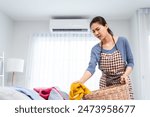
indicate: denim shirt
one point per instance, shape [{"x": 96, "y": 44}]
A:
[{"x": 122, "y": 45}]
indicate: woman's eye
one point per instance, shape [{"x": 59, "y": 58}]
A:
[{"x": 98, "y": 29}]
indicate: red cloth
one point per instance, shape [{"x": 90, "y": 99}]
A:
[{"x": 43, "y": 92}]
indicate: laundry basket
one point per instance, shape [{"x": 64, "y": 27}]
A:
[{"x": 115, "y": 92}]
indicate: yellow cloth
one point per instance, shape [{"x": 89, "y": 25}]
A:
[{"x": 77, "y": 91}]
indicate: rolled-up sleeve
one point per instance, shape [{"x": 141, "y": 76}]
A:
[
  {"x": 129, "y": 55},
  {"x": 92, "y": 62}
]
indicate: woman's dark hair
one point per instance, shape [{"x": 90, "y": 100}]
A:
[{"x": 102, "y": 21}]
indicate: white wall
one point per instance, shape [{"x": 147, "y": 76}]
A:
[
  {"x": 22, "y": 32},
  {"x": 120, "y": 27},
  {"x": 6, "y": 36},
  {"x": 6, "y": 33},
  {"x": 24, "y": 29}
]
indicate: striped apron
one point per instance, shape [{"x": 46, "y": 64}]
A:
[{"x": 112, "y": 67}]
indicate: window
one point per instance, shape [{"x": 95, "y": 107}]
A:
[{"x": 58, "y": 59}]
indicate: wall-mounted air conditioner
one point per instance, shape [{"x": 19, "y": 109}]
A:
[{"x": 63, "y": 25}]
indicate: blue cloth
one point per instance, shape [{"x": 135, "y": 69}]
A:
[
  {"x": 30, "y": 93},
  {"x": 56, "y": 94},
  {"x": 122, "y": 45}
]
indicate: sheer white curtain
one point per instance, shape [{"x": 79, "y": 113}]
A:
[
  {"x": 144, "y": 47},
  {"x": 58, "y": 59}
]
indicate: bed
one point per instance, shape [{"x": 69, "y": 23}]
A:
[{"x": 21, "y": 93}]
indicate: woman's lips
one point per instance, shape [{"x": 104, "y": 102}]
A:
[{"x": 99, "y": 37}]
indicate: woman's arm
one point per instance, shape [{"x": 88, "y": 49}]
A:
[
  {"x": 124, "y": 77},
  {"x": 130, "y": 62},
  {"x": 128, "y": 71},
  {"x": 85, "y": 77},
  {"x": 91, "y": 67}
]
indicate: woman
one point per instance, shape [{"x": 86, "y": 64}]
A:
[{"x": 112, "y": 54}]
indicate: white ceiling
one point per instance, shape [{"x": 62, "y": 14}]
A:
[{"x": 44, "y": 9}]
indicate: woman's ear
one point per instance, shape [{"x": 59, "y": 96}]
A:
[{"x": 106, "y": 26}]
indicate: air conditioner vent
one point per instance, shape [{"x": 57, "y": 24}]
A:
[{"x": 69, "y": 30}]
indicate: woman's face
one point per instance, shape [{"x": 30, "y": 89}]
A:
[{"x": 99, "y": 30}]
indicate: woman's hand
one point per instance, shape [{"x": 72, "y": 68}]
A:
[{"x": 124, "y": 79}]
